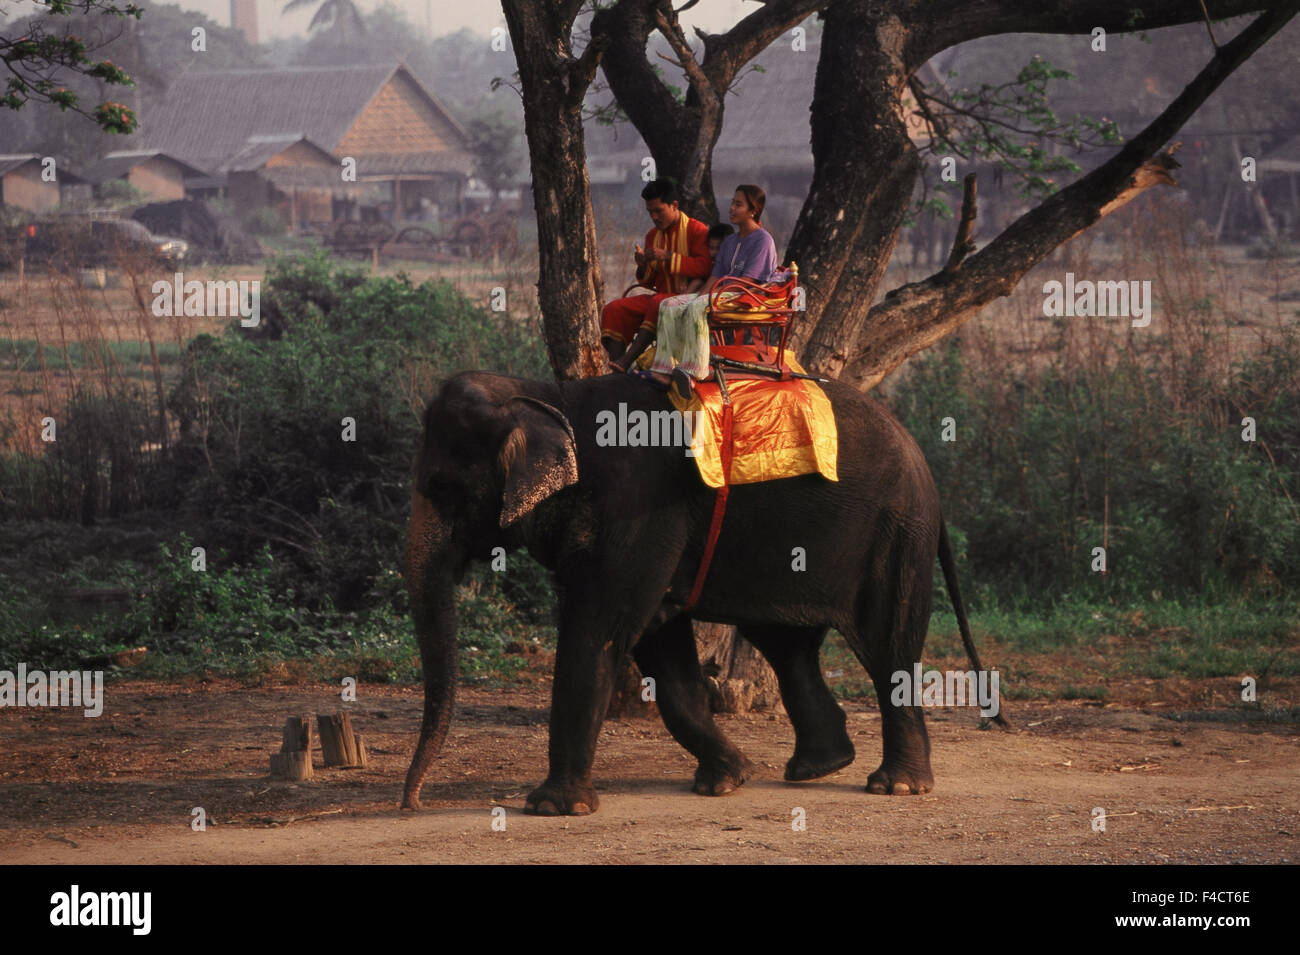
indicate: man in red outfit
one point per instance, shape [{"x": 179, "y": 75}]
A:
[{"x": 676, "y": 251}]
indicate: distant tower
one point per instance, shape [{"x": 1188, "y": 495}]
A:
[{"x": 243, "y": 17}]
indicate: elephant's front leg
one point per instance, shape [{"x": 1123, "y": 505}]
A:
[
  {"x": 585, "y": 666},
  {"x": 669, "y": 656}
]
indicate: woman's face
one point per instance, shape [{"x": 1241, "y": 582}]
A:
[{"x": 740, "y": 210}]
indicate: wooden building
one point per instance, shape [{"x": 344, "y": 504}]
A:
[
  {"x": 159, "y": 177},
  {"x": 23, "y": 187},
  {"x": 289, "y": 173},
  {"x": 410, "y": 155}
]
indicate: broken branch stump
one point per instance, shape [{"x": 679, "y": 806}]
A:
[
  {"x": 294, "y": 759},
  {"x": 340, "y": 746}
]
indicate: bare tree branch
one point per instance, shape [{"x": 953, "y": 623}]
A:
[
  {"x": 915, "y": 316},
  {"x": 963, "y": 245},
  {"x": 678, "y": 134},
  {"x": 726, "y": 53},
  {"x": 940, "y": 24},
  {"x": 1209, "y": 28},
  {"x": 710, "y": 111}
]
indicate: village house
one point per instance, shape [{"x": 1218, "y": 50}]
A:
[
  {"x": 22, "y": 185},
  {"x": 281, "y": 137},
  {"x": 158, "y": 176}
]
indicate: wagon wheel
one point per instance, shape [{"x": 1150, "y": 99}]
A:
[
  {"x": 349, "y": 239},
  {"x": 471, "y": 235},
  {"x": 377, "y": 233},
  {"x": 417, "y": 235},
  {"x": 348, "y": 235}
]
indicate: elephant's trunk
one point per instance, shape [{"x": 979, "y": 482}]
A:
[{"x": 430, "y": 580}]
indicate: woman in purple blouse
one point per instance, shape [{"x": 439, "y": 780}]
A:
[
  {"x": 683, "y": 334},
  {"x": 749, "y": 252}
]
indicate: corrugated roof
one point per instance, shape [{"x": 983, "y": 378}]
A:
[
  {"x": 208, "y": 118},
  {"x": 765, "y": 124},
  {"x": 14, "y": 160},
  {"x": 383, "y": 164},
  {"x": 1282, "y": 159},
  {"x": 259, "y": 150},
  {"x": 120, "y": 163}
]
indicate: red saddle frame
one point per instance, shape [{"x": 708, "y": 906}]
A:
[{"x": 754, "y": 305}]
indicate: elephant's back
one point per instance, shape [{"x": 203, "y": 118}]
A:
[{"x": 874, "y": 447}]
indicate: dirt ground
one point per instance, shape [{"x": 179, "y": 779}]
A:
[{"x": 1203, "y": 787}]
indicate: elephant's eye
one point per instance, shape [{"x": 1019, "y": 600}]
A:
[{"x": 440, "y": 488}]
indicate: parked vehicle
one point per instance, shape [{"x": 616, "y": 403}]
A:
[{"x": 80, "y": 242}]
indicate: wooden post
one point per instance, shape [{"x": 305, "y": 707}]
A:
[
  {"x": 294, "y": 759},
  {"x": 339, "y": 745}
]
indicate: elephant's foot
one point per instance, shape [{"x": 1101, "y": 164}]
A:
[
  {"x": 813, "y": 763},
  {"x": 898, "y": 781},
  {"x": 562, "y": 799},
  {"x": 718, "y": 780}
]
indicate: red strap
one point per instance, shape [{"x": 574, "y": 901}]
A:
[{"x": 719, "y": 504}]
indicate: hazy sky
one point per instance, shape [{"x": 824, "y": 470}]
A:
[{"x": 443, "y": 16}]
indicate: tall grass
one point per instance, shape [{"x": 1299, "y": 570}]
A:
[
  {"x": 84, "y": 410},
  {"x": 1081, "y": 433}
]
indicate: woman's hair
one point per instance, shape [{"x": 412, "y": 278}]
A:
[{"x": 756, "y": 198}]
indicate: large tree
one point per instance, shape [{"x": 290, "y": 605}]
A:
[{"x": 866, "y": 166}]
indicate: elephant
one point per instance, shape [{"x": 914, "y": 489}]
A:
[{"x": 510, "y": 462}]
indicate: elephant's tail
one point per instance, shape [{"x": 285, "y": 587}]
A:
[{"x": 949, "y": 566}]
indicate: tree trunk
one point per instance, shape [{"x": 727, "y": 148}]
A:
[
  {"x": 553, "y": 84},
  {"x": 865, "y": 167},
  {"x": 738, "y": 678},
  {"x": 737, "y": 675},
  {"x": 681, "y": 136}
]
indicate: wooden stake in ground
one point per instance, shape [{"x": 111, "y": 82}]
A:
[
  {"x": 340, "y": 746},
  {"x": 294, "y": 759}
]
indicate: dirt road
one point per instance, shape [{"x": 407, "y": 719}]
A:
[{"x": 121, "y": 788}]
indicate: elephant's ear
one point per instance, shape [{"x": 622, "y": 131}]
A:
[{"x": 537, "y": 458}]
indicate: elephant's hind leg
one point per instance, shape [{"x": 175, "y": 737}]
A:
[
  {"x": 821, "y": 744},
  {"x": 892, "y": 629},
  {"x": 668, "y": 655}
]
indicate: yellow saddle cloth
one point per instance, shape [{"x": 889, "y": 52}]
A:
[{"x": 780, "y": 429}]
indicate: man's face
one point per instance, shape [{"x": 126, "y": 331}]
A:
[{"x": 662, "y": 214}]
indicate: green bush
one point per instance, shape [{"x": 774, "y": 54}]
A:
[
  {"x": 1046, "y": 468},
  {"x": 265, "y": 221},
  {"x": 263, "y": 420}
]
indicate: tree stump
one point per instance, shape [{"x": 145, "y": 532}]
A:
[
  {"x": 738, "y": 677},
  {"x": 294, "y": 759},
  {"x": 626, "y": 701},
  {"x": 339, "y": 745}
]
